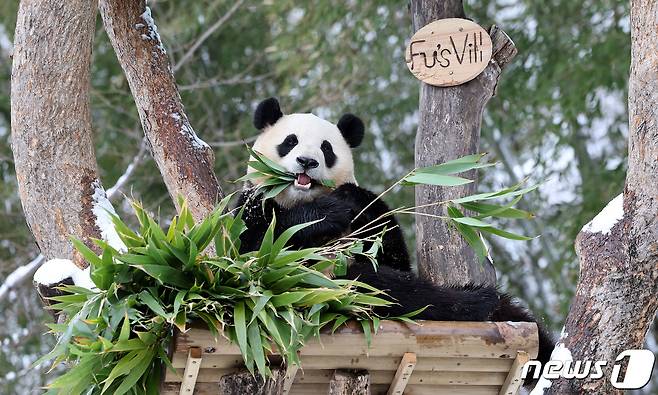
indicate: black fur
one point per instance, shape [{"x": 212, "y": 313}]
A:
[
  {"x": 339, "y": 209},
  {"x": 267, "y": 113},
  {"x": 328, "y": 152},
  {"x": 352, "y": 129},
  {"x": 287, "y": 145}
]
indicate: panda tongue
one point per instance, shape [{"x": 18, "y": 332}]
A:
[{"x": 303, "y": 179}]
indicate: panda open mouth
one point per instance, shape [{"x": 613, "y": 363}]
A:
[{"x": 303, "y": 181}]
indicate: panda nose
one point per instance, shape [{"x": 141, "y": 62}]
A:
[{"x": 307, "y": 163}]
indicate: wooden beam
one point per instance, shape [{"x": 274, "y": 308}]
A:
[
  {"x": 191, "y": 371},
  {"x": 403, "y": 374},
  {"x": 345, "y": 382},
  {"x": 513, "y": 381},
  {"x": 430, "y": 339},
  {"x": 333, "y": 362}
]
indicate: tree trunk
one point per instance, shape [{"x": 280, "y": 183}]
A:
[
  {"x": 185, "y": 161},
  {"x": 51, "y": 124},
  {"x": 449, "y": 127},
  {"x": 617, "y": 294}
]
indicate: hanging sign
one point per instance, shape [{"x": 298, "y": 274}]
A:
[{"x": 449, "y": 52}]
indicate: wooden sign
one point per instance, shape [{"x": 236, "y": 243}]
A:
[{"x": 449, "y": 52}]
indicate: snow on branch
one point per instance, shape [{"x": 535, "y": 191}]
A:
[
  {"x": 560, "y": 353},
  {"x": 19, "y": 275},
  {"x": 103, "y": 210},
  {"x": 57, "y": 270},
  {"x": 608, "y": 217}
]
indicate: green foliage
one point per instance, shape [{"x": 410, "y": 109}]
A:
[
  {"x": 273, "y": 178},
  {"x": 118, "y": 335},
  {"x": 471, "y": 227}
]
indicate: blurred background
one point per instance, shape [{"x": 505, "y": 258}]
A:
[{"x": 560, "y": 116}]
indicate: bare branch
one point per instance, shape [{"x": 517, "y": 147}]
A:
[
  {"x": 214, "y": 82},
  {"x": 235, "y": 143},
  {"x": 19, "y": 276},
  {"x": 212, "y": 29},
  {"x": 123, "y": 179}
]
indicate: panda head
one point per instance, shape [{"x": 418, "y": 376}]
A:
[{"x": 310, "y": 147}]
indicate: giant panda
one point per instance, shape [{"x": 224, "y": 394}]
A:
[{"x": 315, "y": 149}]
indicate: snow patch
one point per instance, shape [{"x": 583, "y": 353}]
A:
[
  {"x": 608, "y": 217},
  {"x": 56, "y": 270},
  {"x": 560, "y": 353},
  {"x": 187, "y": 131},
  {"x": 152, "y": 33},
  {"x": 196, "y": 141},
  {"x": 103, "y": 210}
]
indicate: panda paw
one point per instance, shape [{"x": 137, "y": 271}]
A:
[{"x": 335, "y": 211}]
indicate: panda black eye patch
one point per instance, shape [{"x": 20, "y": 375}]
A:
[
  {"x": 328, "y": 151},
  {"x": 287, "y": 145}
]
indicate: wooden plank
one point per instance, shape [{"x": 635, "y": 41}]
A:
[
  {"x": 322, "y": 376},
  {"x": 291, "y": 372},
  {"x": 402, "y": 374},
  {"x": 191, "y": 371},
  {"x": 418, "y": 378},
  {"x": 431, "y": 339},
  {"x": 380, "y": 389},
  {"x": 376, "y": 389},
  {"x": 345, "y": 382},
  {"x": 513, "y": 381},
  {"x": 314, "y": 362}
]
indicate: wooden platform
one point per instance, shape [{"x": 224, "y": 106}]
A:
[{"x": 453, "y": 358}]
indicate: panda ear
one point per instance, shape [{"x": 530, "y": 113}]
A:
[
  {"x": 267, "y": 113},
  {"x": 352, "y": 129}
]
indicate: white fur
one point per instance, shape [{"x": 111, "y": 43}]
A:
[{"x": 311, "y": 131}]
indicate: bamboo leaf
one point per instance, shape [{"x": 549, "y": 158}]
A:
[
  {"x": 256, "y": 347},
  {"x": 470, "y": 221},
  {"x": 435, "y": 179},
  {"x": 136, "y": 373},
  {"x": 505, "y": 234},
  {"x": 240, "y": 322}
]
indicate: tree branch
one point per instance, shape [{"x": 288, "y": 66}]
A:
[
  {"x": 19, "y": 276},
  {"x": 186, "y": 162},
  {"x": 212, "y": 29},
  {"x": 113, "y": 191}
]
